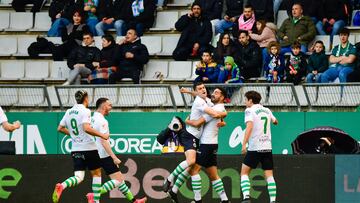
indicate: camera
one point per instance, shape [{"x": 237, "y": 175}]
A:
[{"x": 175, "y": 124}]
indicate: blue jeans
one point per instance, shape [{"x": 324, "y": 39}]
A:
[
  {"x": 223, "y": 25},
  {"x": 57, "y": 26},
  {"x": 265, "y": 53},
  {"x": 277, "y": 4},
  {"x": 333, "y": 72},
  {"x": 338, "y": 25},
  {"x": 288, "y": 49},
  {"x": 91, "y": 22},
  {"x": 101, "y": 27},
  {"x": 160, "y": 3},
  {"x": 312, "y": 78}
]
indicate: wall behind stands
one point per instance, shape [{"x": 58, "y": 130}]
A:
[
  {"x": 299, "y": 178},
  {"x": 134, "y": 133}
]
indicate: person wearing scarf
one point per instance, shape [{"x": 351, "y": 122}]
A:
[
  {"x": 342, "y": 60},
  {"x": 274, "y": 63},
  {"x": 247, "y": 20}
]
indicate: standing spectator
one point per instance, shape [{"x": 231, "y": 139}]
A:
[
  {"x": 296, "y": 28},
  {"x": 317, "y": 63},
  {"x": 130, "y": 58},
  {"x": 333, "y": 17},
  {"x": 264, "y": 9},
  {"x": 106, "y": 66},
  {"x": 342, "y": 60},
  {"x": 207, "y": 70},
  {"x": 105, "y": 16},
  {"x": 296, "y": 65},
  {"x": 19, "y": 5},
  {"x": 83, "y": 60},
  {"x": 234, "y": 10},
  {"x": 274, "y": 65},
  {"x": 90, "y": 7},
  {"x": 225, "y": 47},
  {"x": 230, "y": 73},
  {"x": 195, "y": 36},
  {"x": 248, "y": 56}
]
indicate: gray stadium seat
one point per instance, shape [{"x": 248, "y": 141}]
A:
[
  {"x": 8, "y": 96},
  {"x": 20, "y": 21},
  {"x": 54, "y": 40},
  {"x": 31, "y": 97},
  {"x": 23, "y": 43},
  {"x": 193, "y": 74},
  {"x": 130, "y": 97},
  {"x": 42, "y": 22},
  {"x": 59, "y": 70},
  {"x": 281, "y": 17},
  {"x": 153, "y": 44},
  {"x": 98, "y": 42},
  {"x": 179, "y": 70},
  {"x": 165, "y": 20},
  {"x": 181, "y": 13},
  {"x": 6, "y": 2},
  {"x": 154, "y": 68},
  {"x": 351, "y": 96},
  {"x": 8, "y": 45},
  {"x": 169, "y": 43},
  {"x": 12, "y": 69},
  {"x": 36, "y": 70},
  {"x": 183, "y": 2},
  {"x": 5, "y": 20},
  {"x": 281, "y": 96}
]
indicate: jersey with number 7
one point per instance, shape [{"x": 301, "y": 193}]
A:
[
  {"x": 262, "y": 117},
  {"x": 74, "y": 119}
]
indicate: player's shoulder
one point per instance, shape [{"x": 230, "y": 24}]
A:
[{"x": 219, "y": 107}]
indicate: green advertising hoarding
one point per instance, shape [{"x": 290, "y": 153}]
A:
[{"x": 135, "y": 133}]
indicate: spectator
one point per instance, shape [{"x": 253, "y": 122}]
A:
[
  {"x": 195, "y": 34},
  {"x": 355, "y": 75},
  {"x": 317, "y": 63},
  {"x": 263, "y": 36},
  {"x": 61, "y": 14},
  {"x": 296, "y": 65},
  {"x": 264, "y": 9},
  {"x": 297, "y": 28},
  {"x": 212, "y": 10},
  {"x": 311, "y": 7},
  {"x": 160, "y": 4},
  {"x": 225, "y": 47},
  {"x": 83, "y": 60},
  {"x": 106, "y": 17},
  {"x": 247, "y": 20},
  {"x": 207, "y": 70},
  {"x": 90, "y": 7},
  {"x": 333, "y": 17},
  {"x": 130, "y": 58},
  {"x": 277, "y": 4},
  {"x": 230, "y": 73},
  {"x": 274, "y": 65},
  {"x": 19, "y": 5},
  {"x": 106, "y": 66},
  {"x": 342, "y": 60},
  {"x": 234, "y": 10},
  {"x": 248, "y": 56}
]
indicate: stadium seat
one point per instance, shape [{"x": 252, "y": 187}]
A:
[
  {"x": 42, "y": 22},
  {"x": 130, "y": 97},
  {"x": 179, "y": 70},
  {"x": 6, "y": 2},
  {"x": 336, "y": 40},
  {"x": 165, "y": 21},
  {"x": 12, "y": 70},
  {"x": 23, "y": 43},
  {"x": 281, "y": 17},
  {"x": 281, "y": 96},
  {"x": 8, "y": 45},
  {"x": 153, "y": 44},
  {"x": 154, "y": 68},
  {"x": 20, "y": 21},
  {"x": 169, "y": 44},
  {"x": 8, "y": 96},
  {"x": 55, "y": 40},
  {"x": 193, "y": 74},
  {"x": 181, "y": 13},
  {"x": 5, "y": 20},
  {"x": 31, "y": 97},
  {"x": 182, "y": 2},
  {"x": 36, "y": 70},
  {"x": 58, "y": 71},
  {"x": 98, "y": 42},
  {"x": 351, "y": 96},
  {"x": 323, "y": 38}
]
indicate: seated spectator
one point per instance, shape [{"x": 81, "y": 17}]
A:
[
  {"x": 19, "y": 5},
  {"x": 333, "y": 17},
  {"x": 225, "y": 47},
  {"x": 248, "y": 56},
  {"x": 83, "y": 60},
  {"x": 106, "y": 66},
  {"x": 207, "y": 70},
  {"x": 355, "y": 75},
  {"x": 230, "y": 73},
  {"x": 263, "y": 36},
  {"x": 160, "y": 4},
  {"x": 317, "y": 63},
  {"x": 296, "y": 65},
  {"x": 195, "y": 36},
  {"x": 105, "y": 16},
  {"x": 274, "y": 65},
  {"x": 90, "y": 7},
  {"x": 130, "y": 58},
  {"x": 212, "y": 9},
  {"x": 311, "y": 7},
  {"x": 342, "y": 60},
  {"x": 72, "y": 36},
  {"x": 61, "y": 14},
  {"x": 264, "y": 9},
  {"x": 247, "y": 20},
  {"x": 296, "y": 28},
  {"x": 234, "y": 10}
]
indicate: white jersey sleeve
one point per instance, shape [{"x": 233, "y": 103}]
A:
[
  {"x": 249, "y": 115},
  {"x": 3, "y": 117},
  {"x": 86, "y": 117}
]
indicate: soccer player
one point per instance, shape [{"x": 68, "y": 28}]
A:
[
  {"x": 190, "y": 137},
  {"x": 258, "y": 136},
  {"x": 207, "y": 154},
  {"x": 76, "y": 123},
  {"x": 9, "y": 127},
  {"x": 109, "y": 161}
]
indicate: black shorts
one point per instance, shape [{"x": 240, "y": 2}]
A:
[
  {"x": 189, "y": 141},
  {"x": 206, "y": 156},
  {"x": 86, "y": 159},
  {"x": 253, "y": 158},
  {"x": 109, "y": 166}
]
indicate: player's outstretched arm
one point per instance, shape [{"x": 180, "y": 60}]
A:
[
  {"x": 63, "y": 130},
  {"x": 215, "y": 114},
  {"x": 11, "y": 127},
  {"x": 88, "y": 129},
  {"x": 196, "y": 123},
  {"x": 187, "y": 91}
]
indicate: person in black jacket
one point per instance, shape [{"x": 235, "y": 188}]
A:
[
  {"x": 19, "y": 5},
  {"x": 234, "y": 10},
  {"x": 195, "y": 36},
  {"x": 106, "y": 17},
  {"x": 296, "y": 66},
  {"x": 263, "y": 9},
  {"x": 225, "y": 47},
  {"x": 83, "y": 60},
  {"x": 130, "y": 58},
  {"x": 248, "y": 56}
]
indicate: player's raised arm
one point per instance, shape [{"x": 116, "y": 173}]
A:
[{"x": 88, "y": 129}]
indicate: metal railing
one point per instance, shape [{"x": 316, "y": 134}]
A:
[
  {"x": 277, "y": 95},
  {"x": 24, "y": 96},
  {"x": 130, "y": 96}
]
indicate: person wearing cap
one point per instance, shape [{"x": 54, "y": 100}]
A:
[
  {"x": 196, "y": 34},
  {"x": 230, "y": 73},
  {"x": 77, "y": 124}
]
